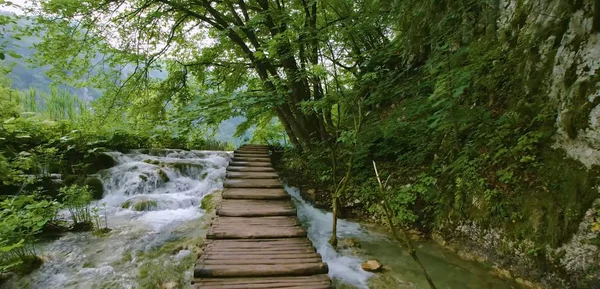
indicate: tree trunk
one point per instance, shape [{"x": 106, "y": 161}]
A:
[{"x": 333, "y": 241}]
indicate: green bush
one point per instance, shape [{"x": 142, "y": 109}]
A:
[
  {"x": 21, "y": 219},
  {"x": 77, "y": 199}
]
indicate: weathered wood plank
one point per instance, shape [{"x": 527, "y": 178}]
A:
[
  {"x": 252, "y": 183},
  {"x": 249, "y": 164},
  {"x": 256, "y": 270},
  {"x": 252, "y": 175},
  {"x": 249, "y": 169},
  {"x": 255, "y": 194},
  {"x": 237, "y": 158},
  {"x": 250, "y": 154},
  {"x": 255, "y": 233}
]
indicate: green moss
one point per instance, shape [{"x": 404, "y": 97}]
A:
[
  {"x": 207, "y": 203},
  {"x": 140, "y": 204},
  {"x": 28, "y": 265},
  {"x": 154, "y": 274},
  {"x": 96, "y": 187},
  {"x": 164, "y": 177},
  {"x": 102, "y": 232},
  {"x": 152, "y": 162}
]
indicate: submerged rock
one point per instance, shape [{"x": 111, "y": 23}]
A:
[
  {"x": 371, "y": 266},
  {"x": 350, "y": 243},
  {"x": 140, "y": 204}
]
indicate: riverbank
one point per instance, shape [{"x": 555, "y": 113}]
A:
[{"x": 373, "y": 242}]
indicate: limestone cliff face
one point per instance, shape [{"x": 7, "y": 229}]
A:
[
  {"x": 560, "y": 43},
  {"x": 565, "y": 36}
]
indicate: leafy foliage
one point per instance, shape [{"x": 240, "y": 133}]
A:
[{"x": 21, "y": 219}]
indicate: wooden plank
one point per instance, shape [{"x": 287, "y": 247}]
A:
[
  {"x": 255, "y": 232},
  {"x": 298, "y": 269},
  {"x": 249, "y": 169},
  {"x": 306, "y": 282},
  {"x": 255, "y": 209},
  {"x": 251, "y": 154},
  {"x": 252, "y": 175},
  {"x": 255, "y": 194},
  {"x": 237, "y": 158},
  {"x": 252, "y": 183},
  {"x": 258, "y": 150},
  {"x": 250, "y": 164},
  {"x": 257, "y": 146}
]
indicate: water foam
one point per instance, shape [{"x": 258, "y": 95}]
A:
[{"x": 343, "y": 265}]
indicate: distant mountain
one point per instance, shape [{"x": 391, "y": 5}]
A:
[{"x": 23, "y": 75}]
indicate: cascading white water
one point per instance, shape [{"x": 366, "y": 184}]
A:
[
  {"x": 343, "y": 265},
  {"x": 167, "y": 185}
]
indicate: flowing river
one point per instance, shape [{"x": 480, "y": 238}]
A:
[{"x": 152, "y": 204}]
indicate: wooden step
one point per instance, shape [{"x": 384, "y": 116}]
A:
[
  {"x": 253, "y": 183},
  {"x": 255, "y": 208},
  {"x": 250, "y": 169},
  {"x": 251, "y": 159},
  {"x": 255, "y": 194},
  {"x": 250, "y": 164},
  {"x": 250, "y": 153},
  {"x": 252, "y": 175},
  {"x": 260, "y": 270},
  {"x": 255, "y": 228},
  {"x": 299, "y": 282}
]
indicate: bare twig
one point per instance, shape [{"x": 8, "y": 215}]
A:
[{"x": 404, "y": 238}]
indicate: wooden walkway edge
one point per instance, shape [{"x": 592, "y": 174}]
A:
[{"x": 256, "y": 241}]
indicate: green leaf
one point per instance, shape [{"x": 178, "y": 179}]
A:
[{"x": 15, "y": 55}]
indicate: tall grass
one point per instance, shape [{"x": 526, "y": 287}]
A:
[{"x": 58, "y": 104}]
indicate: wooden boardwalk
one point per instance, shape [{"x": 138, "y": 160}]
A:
[{"x": 256, "y": 241}]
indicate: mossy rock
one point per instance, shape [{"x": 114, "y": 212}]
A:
[
  {"x": 152, "y": 162},
  {"x": 140, "y": 204},
  {"x": 350, "y": 243},
  {"x": 207, "y": 203},
  {"x": 96, "y": 187},
  {"x": 100, "y": 162},
  {"x": 164, "y": 177},
  {"x": 144, "y": 178},
  {"x": 72, "y": 180},
  {"x": 29, "y": 264},
  {"x": 82, "y": 226}
]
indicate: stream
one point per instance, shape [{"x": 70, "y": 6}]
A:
[{"x": 155, "y": 247}]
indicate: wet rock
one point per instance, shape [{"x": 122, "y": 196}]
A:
[
  {"x": 100, "y": 162},
  {"x": 152, "y": 162},
  {"x": 144, "y": 178},
  {"x": 501, "y": 273},
  {"x": 371, "y": 266},
  {"x": 163, "y": 176},
  {"x": 350, "y": 243},
  {"x": 140, "y": 204},
  {"x": 96, "y": 187},
  {"x": 82, "y": 226}
]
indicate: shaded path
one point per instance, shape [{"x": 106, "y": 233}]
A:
[{"x": 256, "y": 241}]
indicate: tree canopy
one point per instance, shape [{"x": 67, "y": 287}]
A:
[{"x": 293, "y": 60}]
